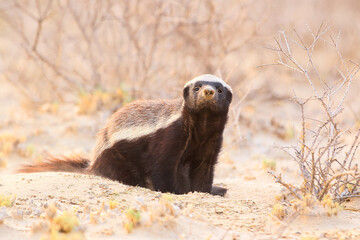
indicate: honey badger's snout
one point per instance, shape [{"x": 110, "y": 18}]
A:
[{"x": 208, "y": 92}]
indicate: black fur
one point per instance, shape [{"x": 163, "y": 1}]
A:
[{"x": 180, "y": 158}]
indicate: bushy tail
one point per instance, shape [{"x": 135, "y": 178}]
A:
[{"x": 60, "y": 164}]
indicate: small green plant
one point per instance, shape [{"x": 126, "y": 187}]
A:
[
  {"x": 278, "y": 211},
  {"x": 113, "y": 204},
  {"x": 7, "y": 201},
  {"x": 62, "y": 226},
  {"x": 133, "y": 217},
  {"x": 166, "y": 204},
  {"x": 332, "y": 207},
  {"x": 268, "y": 164},
  {"x": 65, "y": 223}
]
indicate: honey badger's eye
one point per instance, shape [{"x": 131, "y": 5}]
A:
[
  {"x": 197, "y": 89},
  {"x": 219, "y": 90}
]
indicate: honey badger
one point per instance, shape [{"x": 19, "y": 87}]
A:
[{"x": 163, "y": 145}]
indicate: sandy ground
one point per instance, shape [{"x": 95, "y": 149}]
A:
[{"x": 100, "y": 204}]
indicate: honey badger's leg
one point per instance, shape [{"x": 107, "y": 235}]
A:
[
  {"x": 202, "y": 179},
  {"x": 166, "y": 148},
  {"x": 164, "y": 180},
  {"x": 183, "y": 184},
  {"x": 202, "y": 170}
]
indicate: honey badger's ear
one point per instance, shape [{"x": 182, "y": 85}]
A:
[
  {"x": 228, "y": 95},
  {"x": 186, "y": 92}
]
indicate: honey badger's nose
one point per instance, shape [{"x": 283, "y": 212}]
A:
[{"x": 209, "y": 92}]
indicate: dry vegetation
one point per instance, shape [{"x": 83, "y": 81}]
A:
[
  {"x": 133, "y": 46},
  {"x": 326, "y": 162},
  {"x": 71, "y": 63}
]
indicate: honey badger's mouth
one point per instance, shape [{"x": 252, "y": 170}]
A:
[
  {"x": 207, "y": 104},
  {"x": 208, "y": 99},
  {"x": 202, "y": 101}
]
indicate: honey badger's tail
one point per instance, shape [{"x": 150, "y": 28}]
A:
[{"x": 61, "y": 164}]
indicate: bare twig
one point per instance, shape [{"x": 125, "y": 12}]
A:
[
  {"x": 327, "y": 184},
  {"x": 291, "y": 189},
  {"x": 325, "y": 162}
]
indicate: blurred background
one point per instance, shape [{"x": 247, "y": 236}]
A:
[{"x": 65, "y": 66}]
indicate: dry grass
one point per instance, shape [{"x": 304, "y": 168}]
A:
[
  {"x": 60, "y": 46},
  {"x": 140, "y": 46},
  {"x": 326, "y": 160},
  {"x": 7, "y": 201}
]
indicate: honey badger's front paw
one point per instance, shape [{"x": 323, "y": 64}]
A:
[{"x": 219, "y": 191}]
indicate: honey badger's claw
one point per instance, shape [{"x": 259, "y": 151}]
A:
[{"x": 220, "y": 191}]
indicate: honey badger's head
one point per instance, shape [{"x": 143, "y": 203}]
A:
[{"x": 207, "y": 93}]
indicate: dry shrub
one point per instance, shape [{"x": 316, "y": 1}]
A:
[
  {"x": 326, "y": 160},
  {"x": 63, "y": 46}
]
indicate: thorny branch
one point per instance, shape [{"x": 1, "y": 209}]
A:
[
  {"x": 289, "y": 187},
  {"x": 324, "y": 162}
]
